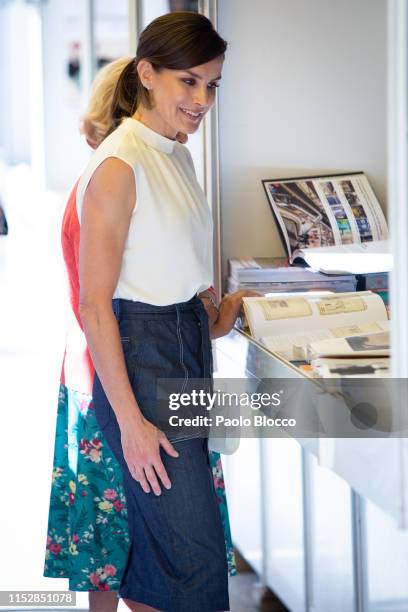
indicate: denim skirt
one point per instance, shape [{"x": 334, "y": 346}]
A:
[{"x": 177, "y": 558}]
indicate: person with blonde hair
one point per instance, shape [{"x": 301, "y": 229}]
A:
[
  {"x": 87, "y": 537},
  {"x": 97, "y": 121}
]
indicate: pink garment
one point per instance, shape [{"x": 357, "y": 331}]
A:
[{"x": 77, "y": 368}]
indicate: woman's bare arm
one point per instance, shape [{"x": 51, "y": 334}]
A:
[
  {"x": 106, "y": 211},
  {"x": 107, "y": 208}
]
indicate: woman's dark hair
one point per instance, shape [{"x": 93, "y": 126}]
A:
[{"x": 176, "y": 41}]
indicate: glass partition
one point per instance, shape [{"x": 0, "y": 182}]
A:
[
  {"x": 110, "y": 31},
  {"x": 150, "y": 9}
]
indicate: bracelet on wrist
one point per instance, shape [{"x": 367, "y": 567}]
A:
[{"x": 208, "y": 295}]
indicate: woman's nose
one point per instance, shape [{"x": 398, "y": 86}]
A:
[{"x": 201, "y": 96}]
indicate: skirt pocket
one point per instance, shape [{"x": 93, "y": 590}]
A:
[{"x": 131, "y": 337}]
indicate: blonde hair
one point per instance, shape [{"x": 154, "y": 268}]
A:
[{"x": 97, "y": 121}]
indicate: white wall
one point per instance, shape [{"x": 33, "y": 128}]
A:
[
  {"x": 303, "y": 92},
  {"x": 14, "y": 82},
  {"x": 65, "y": 150}
]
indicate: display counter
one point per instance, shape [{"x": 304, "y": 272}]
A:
[{"x": 315, "y": 517}]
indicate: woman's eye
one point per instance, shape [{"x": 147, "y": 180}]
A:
[{"x": 191, "y": 83}]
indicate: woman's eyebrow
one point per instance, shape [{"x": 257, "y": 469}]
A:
[{"x": 197, "y": 76}]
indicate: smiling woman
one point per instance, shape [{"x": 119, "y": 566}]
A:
[
  {"x": 145, "y": 260},
  {"x": 91, "y": 530}
]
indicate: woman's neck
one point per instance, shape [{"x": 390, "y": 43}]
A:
[{"x": 150, "y": 119}]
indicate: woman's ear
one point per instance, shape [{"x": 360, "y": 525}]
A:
[{"x": 145, "y": 71}]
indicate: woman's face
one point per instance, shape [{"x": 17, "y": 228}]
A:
[{"x": 180, "y": 98}]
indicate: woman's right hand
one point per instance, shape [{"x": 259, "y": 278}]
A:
[
  {"x": 141, "y": 442},
  {"x": 230, "y": 307}
]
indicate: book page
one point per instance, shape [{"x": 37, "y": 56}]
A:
[
  {"x": 352, "y": 259},
  {"x": 294, "y": 346},
  {"x": 301, "y": 214},
  {"x": 285, "y": 308},
  {"x": 336, "y": 305},
  {"x": 357, "y": 212},
  {"x": 275, "y": 316},
  {"x": 363, "y": 345},
  {"x": 323, "y": 211},
  {"x": 354, "y": 330}
]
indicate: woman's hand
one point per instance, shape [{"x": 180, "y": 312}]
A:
[
  {"x": 141, "y": 442},
  {"x": 229, "y": 310}
]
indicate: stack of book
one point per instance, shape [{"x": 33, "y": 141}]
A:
[
  {"x": 272, "y": 275},
  {"x": 337, "y": 334}
]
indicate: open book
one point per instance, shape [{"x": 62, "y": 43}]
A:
[
  {"x": 323, "y": 218},
  {"x": 288, "y": 324},
  {"x": 372, "y": 344}
]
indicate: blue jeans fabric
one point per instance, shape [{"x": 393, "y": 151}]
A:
[{"x": 177, "y": 560}]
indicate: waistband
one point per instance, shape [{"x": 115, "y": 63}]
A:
[{"x": 129, "y": 307}]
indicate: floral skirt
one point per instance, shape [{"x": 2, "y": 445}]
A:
[{"x": 87, "y": 537}]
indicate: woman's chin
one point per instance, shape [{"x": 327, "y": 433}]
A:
[{"x": 191, "y": 129}]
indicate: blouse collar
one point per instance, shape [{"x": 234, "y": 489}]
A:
[{"x": 149, "y": 136}]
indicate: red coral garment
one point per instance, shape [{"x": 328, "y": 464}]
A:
[{"x": 77, "y": 369}]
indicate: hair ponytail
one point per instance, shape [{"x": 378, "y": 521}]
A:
[
  {"x": 126, "y": 96},
  {"x": 97, "y": 122}
]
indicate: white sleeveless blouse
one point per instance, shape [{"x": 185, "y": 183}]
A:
[{"x": 168, "y": 252}]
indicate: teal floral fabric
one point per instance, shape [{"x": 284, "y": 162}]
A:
[{"x": 87, "y": 537}]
